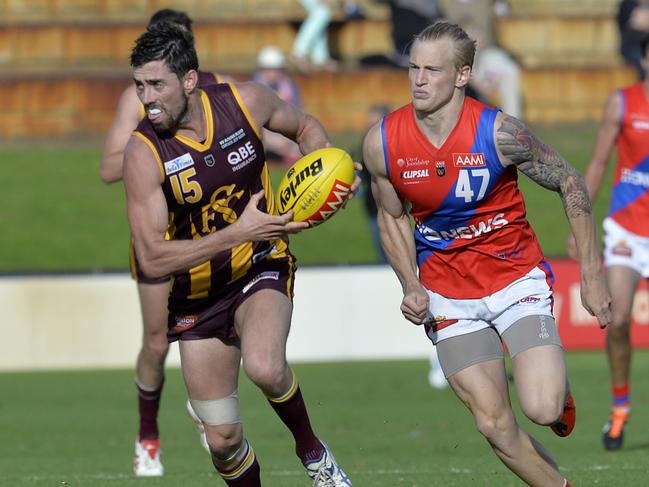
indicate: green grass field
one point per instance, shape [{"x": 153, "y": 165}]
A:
[
  {"x": 386, "y": 425},
  {"x": 58, "y": 216}
]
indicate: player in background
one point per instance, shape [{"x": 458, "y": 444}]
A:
[
  {"x": 473, "y": 272},
  {"x": 625, "y": 125},
  {"x": 201, "y": 207},
  {"x": 153, "y": 292}
]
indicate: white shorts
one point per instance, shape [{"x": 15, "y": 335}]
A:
[
  {"x": 624, "y": 248},
  {"x": 530, "y": 295}
]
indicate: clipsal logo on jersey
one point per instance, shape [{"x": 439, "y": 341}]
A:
[
  {"x": 414, "y": 175},
  {"x": 178, "y": 164},
  {"x": 242, "y": 156},
  {"x": 474, "y": 230},
  {"x": 467, "y": 159}
]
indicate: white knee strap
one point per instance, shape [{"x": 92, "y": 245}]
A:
[{"x": 215, "y": 412}]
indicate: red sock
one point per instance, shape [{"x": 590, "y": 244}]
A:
[
  {"x": 621, "y": 396},
  {"x": 292, "y": 411},
  {"x": 148, "y": 405}
]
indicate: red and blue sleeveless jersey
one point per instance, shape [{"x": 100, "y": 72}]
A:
[
  {"x": 630, "y": 196},
  {"x": 207, "y": 186},
  {"x": 471, "y": 233}
]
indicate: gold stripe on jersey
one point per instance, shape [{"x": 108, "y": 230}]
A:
[
  {"x": 207, "y": 144},
  {"x": 200, "y": 277},
  {"x": 144, "y": 138},
  {"x": 171, "y": 233},
  {"x": 267, "y": 184},
  {"x": 217, "y": 78},
  {"x": 241, "y": 261},
  {"x": 271, "y": 209},
  {"x": 244, "y": 109}
]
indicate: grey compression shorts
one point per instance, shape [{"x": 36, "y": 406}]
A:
[{"x": 459, "y": 352}]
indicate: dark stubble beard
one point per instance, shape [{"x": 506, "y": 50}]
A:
[{"x": 174, "y": 122}]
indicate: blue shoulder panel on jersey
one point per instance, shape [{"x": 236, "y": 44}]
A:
[{"x": 385, "y": 147}]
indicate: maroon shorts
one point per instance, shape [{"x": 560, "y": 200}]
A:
[
  {"x": 136, "y": 270},
  {"x": 215, "y": 317}
]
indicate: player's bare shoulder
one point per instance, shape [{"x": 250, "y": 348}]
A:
[
  {"x": 373, "y": 156},
  {"x": 259, "y": 100},
  {"x": 140, "y": 162}
]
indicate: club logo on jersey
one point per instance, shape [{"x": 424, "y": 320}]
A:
[
  {"x": 467, "y": 159},
  {"x": 242, "y": 156},
  {"x": 209, "y": 160},
  {"x": 178, "y": 164},
  {"x": 260, "y": 277},
  {"x": 440, "y": 168},
  {"x": 232, "y": 138},
  {"x": 471, "y": 231},
  {"x": 414, "y": 175}
]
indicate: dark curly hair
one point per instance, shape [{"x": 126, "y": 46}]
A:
[{"x": 169, "y": 42}]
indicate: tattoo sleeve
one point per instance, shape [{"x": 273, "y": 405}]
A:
[{"x": 543, "y": 165}]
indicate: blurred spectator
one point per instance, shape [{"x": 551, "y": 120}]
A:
[
  {"x": 633, "y": 22},
  {"x": 311, "y": 46},
  {"x": 353, "y": 10},
  {"x": 271, "y": 71},
  {"x": 496, "y": 76},
  {"x": 409, "y": 17}
]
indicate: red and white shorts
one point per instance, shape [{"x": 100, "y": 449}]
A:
[
  {"x": 530, "y": 295},
  {"x": 624, "y": 248}
]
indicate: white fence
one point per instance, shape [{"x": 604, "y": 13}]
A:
[{"x": 93, "y": 321}]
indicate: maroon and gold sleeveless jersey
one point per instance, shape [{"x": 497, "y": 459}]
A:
[
  {"x": 205, "y": 78},
  {"x": 207, "y": 185}
]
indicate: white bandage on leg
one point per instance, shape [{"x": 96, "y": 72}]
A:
[{"x": 215, "y": 412}]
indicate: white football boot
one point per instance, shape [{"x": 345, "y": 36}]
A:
[
  {"x": 199, "y": 426},
  {"x": 325, "y": 472},
  {"x": 147, "y": 459}
]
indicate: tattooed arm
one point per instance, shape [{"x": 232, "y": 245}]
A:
[{"x": 517, "y": 145}]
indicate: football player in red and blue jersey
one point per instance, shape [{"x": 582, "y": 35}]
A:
[
  {"x": 473, "y": 272},
  {"x": 625, "y": 125}
]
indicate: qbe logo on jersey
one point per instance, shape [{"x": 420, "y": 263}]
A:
[
  {"x": 468, "y": 159},
  {"x": 242, "y": 156}
]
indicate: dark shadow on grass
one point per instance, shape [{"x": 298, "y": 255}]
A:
[{"x": 636, "y": 446}]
